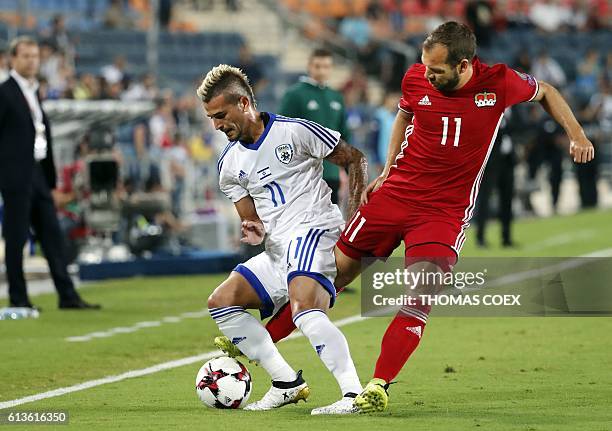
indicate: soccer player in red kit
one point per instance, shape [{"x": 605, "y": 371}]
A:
[{"x": 450, "y": 111}]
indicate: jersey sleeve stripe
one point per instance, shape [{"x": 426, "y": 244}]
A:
[
  {"x": 317, "y": 132},
  {"x": 223, "y": 154},
  {"x": 536, "y": 90},
  {"x": 402, "y": 109},
  {"x": 324, "y": 131},
  {"x": 331, "y": 145}
]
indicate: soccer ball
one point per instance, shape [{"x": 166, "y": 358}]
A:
[{"x": 223, "y": 383}]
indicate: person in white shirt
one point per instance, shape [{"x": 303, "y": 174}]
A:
[{"x": 272, "y": 170}]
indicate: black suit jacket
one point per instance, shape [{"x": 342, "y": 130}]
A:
[{"x": 17, "y": 136}]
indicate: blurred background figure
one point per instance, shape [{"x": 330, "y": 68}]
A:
[
  {"x": 312, "y": 99},
  {"x": 27, "y": 177},
  {"x": 550, "y": 15},
  {"x": 117, "y": 16},
  {"x": 479, "y": 16},
  {"x": 251, "y": 68},
  {"x": 384, "y": 116},
  {"x": 547, "y": 149},
  {"x": 498, "y": 177},
  {"x": 548, "y": 69}
]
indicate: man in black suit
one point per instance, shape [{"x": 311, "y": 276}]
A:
[{"x": 27, "y": 176}]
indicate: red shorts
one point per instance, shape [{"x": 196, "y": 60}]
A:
[{"x": 379, "y": 227}]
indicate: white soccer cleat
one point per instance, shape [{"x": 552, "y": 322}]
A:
[
  {"x": 345, "y": 406},
  {"x": 282, "y": 393}
]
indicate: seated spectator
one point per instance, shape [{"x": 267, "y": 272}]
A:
[
  {"x": 589, "y": 71},
  {"x": 116, "y": 71},
  {"x": 58, "y": 37},
  {"x": 87, "y": 88},
  {"x": 446, "y": 12},
  {"x": 162, "y": 124},
  {"x": 54, "y": 68},
  {"x": 356, "y": 30},
  {"x": 178, "y": 158},
  {"x": 144, "y": 89},
  {"x": 519, "y": 17},
  {"x": 117, "y": 16},
  {"x": 357, "y": 85},
  {"x": 550, "y": 15},
  {"x": 546, "y": 68}
]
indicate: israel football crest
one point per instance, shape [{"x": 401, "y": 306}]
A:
[{"x": 284, "y": 153}]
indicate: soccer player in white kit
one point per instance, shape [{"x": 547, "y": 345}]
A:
[{"x": 272, "y": 171}]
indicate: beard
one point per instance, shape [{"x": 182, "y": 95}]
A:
[{"x": 449, "y": 85}]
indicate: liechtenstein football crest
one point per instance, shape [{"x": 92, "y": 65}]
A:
[
  {"x": 485, "y": 99},
  {"x": 284, "y": 153}
]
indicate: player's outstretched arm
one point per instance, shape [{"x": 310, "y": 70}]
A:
[
  {"x": 252, "y": 229},
  {"x": 355, "y": 163},
  {"x": 398, "y": 135},
  {"x": 581, "y": 149}
]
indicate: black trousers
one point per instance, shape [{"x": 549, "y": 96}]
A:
[
  {"x": 548, "y": 152},
  {"x": 33, "y": 207},
  {"x": 499, "y": 175}
]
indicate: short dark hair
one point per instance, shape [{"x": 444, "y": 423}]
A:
[
  {"x": 18, "y": 41},
  {"x": 227, "y": 80},
  {"x": 320, "y": 52},
  {"x": 457, "y": 38}
]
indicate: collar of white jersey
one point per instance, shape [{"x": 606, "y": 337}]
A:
[{"x": 255, "y": 145}]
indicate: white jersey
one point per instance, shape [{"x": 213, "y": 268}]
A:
[{"x": 283, "y": 173}]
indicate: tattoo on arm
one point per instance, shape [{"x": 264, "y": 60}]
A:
[{"x": 355, "y": 163}]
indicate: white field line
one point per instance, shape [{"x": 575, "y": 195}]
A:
[
  {"x": 563, "y": 265},
  {"x": 137, "y": 326},
  {"x": 143, "y": 372},
  {"x": 562, "y": 239}
]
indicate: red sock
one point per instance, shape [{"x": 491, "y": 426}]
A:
[
  {"x": 401, "y": 338},
  {"x": 281, "y": 324}
]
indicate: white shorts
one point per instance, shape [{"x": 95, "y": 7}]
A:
[{"x": 307, "y": 252}]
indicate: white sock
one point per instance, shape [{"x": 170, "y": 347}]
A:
[
  {"x": 253, "y": 340},
  {"x": 331, "y": 346}
]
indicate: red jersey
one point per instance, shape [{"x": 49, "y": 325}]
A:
[{"x": 439, "y": 169}]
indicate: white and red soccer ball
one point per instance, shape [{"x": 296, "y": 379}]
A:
[{"x": 223, "y": 383}]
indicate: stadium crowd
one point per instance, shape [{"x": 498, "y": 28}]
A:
[{"x": 175, "y": 141}]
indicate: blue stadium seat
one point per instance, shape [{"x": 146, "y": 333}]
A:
[{"x": 9, "y": 5}]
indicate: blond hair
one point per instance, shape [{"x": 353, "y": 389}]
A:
[{"x": 227, "y": 80}]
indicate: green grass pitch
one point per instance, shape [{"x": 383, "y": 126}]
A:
[{"x": 506, "y": 373}]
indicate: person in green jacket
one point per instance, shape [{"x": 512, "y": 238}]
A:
[{"x": 312, "y": 99}]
